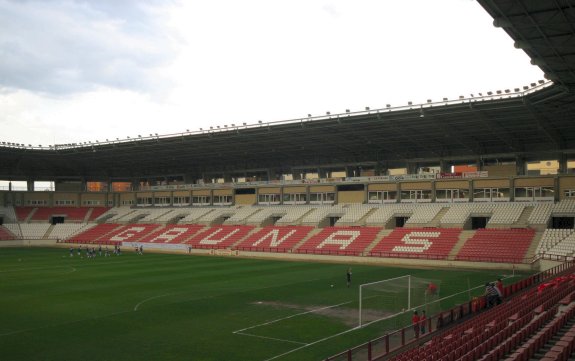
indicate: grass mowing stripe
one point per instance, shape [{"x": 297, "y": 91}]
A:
[{"x": 187, "y": 306}]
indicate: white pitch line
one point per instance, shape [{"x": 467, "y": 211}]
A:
[
  {"x": 311, "y": 344},
  {"x": 39, "y": 268},
  {"x": 270, "y": 338},
  {"x": 151, "y": 298},
  {"x": 291, "y": 316}
]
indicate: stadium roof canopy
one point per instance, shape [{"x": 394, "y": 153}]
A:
[{"x": 532, "y": 122}]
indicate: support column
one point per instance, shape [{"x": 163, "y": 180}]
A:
[
  {"x": 29, "y": 185},
  {"x": 411, "y": 168},
  {"x": 296, "y": 175},
  {"x": 444, "y": 166},
  {"x": 562, "y": 164},
  {"x": 520, "y": 166},
  {"x": 135, "y": 185}
]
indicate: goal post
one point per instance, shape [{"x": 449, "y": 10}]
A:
[{"x": 387, "y": 298}]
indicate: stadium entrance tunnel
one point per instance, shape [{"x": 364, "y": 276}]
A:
[
  {"x": 56, "y": 219},
  {"x": 400, "y": 221},
  {"x": 561, "y": 222},
  {"x": 479, "y": 222}
]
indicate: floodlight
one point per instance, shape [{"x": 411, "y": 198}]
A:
[
  {"x": 347, "y": 110},
  {"x": 245, "y": 124},
  {"x": 507, "y": 91},
  {"x": 516, "y": 90},
  {"x": 128, "y": 137},
  {"x": 461, "y": 97},
  {"x": 388, "y": 105},
  {"x": 217, "y": 126},
  {"x": 150, "y": 134},
  {"x": 541, "y": 81},
  {"x": 187, "y": 130},
  {"x": 107, "y": 140},
  {"x": 259, "y": 121},
  {"x": 525, "y": 87},
  {"x": 225, "y": 126},
  {"x": 139, "y": 136},
  {"x": 327, "y": 113},
  {"x": 367, "y": 108},
  {"x": 429, "y": 100},
  {"x": 480, "y": 94},
  {"x": 533, "y": 84},
  {"x": 156, "y": 134},
  {"x": 489, "y": 93},
  {"x": 233, "y": 125},
  {"x": 409, "y": 103},
  {"x": 499, "y": 92},
  {"x": 445, "y": 99}
]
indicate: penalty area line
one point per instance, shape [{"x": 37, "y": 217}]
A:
[
  {"x": 291, "y": 316},
  {"x": 269, "y": 338}
]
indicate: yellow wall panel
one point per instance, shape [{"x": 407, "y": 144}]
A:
[
  {"x": 491, "y": 183},
  {"x": 245, "y": 199},
  {"x": 382, "y": 187},
  {"x": 452, "y": 184},
  {"x": 415, "y": 185},
  {"x": 292, "y": 190},
  {"x": 534, "y": 182},
  {"x": 274, "y": 190},
  {"x": 351, "y": 197}
]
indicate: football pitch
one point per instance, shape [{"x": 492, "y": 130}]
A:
[{"x": 183, "y": 307}]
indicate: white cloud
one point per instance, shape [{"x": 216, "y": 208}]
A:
[
  {"x": 65, "y": 46},
  {"x": 103, "y": 69}
]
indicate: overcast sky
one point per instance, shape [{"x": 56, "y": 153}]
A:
[{"x": 73, "y": 71}]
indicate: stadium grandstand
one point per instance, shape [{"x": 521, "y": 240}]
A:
[{"x": 485, "y": 181}]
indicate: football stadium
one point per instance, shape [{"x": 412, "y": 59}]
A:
[{"x": 436, "y": 231}]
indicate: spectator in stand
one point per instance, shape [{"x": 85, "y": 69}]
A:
[
  {"x": 422, "y": 321},
  {"x": 490, "y": 294},
  {"x": 499, "y": 288},
  {"x": 415, "y": 322}
]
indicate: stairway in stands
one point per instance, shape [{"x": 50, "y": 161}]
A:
[{"x": 463, "y": 237}]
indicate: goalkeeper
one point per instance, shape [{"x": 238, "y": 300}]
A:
[{"x": 431, "y": 289}]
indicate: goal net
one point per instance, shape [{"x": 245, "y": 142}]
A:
[{"x": 395, "y": 296}]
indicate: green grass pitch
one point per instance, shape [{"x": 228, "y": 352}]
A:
[{"x": 182, "y": 307}]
